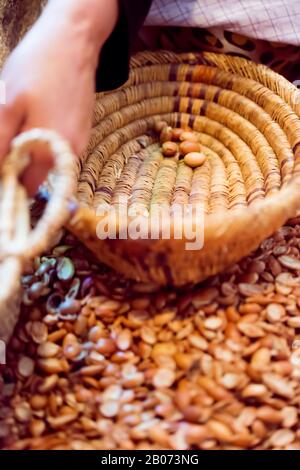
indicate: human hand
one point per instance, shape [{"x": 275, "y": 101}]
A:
[{"x": 50, "y": 78}]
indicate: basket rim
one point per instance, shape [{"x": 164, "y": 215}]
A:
[{"x": 281, "y": 205}]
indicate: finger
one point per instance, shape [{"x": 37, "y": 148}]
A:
[
  {"x": 10, "y": 123},
  {"x": 37, "y": 171}
]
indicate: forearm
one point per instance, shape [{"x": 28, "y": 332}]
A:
[{"x": 92, "y": 20}]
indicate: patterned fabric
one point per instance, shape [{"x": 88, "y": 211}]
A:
[
  {"x": 241, "y": 27},
  {"x": 271, "y": 20},
  {"x": 247, "y": 28}
]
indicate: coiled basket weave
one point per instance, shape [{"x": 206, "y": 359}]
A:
[{"x": 248, "y": 122}]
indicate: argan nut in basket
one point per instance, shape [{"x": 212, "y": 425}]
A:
[
  {"x": 169, "y": 149},
  {"x": 194, "y": 159},
  {"x": 189, "y": 147},
  {"x": 246, "y": 119}
]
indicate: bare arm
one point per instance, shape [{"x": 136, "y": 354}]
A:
[{"x": 50, "y": 76}]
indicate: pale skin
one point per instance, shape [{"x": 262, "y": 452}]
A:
[{"x": 50, "y": 77}]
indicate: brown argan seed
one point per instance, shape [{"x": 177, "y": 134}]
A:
[
  {"x": 37, "y": 427},
  {"x": 38, "y": 402},
  {"x": 169, "y": 149},
  {"x": 123, "y": 340},
  {"x": 213, "y": 323},
  {"x": 194, "y": 159},
  {"x": 220, "y": 431},
  {"x": 189, "y": 136},
  {"x": 289, "y": 262},
  {"x": 189, "y": 147},
  {"x": 47, "y": 349},
  {"x": 38, "y": 332},
  {"x": 50, "y": 365},
  {"x": 230, "y": 380},
  {"x": 23, "y": 412},
  {"x": 290, "y": 416},
  {"x": 163, "y": 378},
  {"x": 255, "y": 391},
  {"x": 282, "y": 438},
  {"x": 159, "y": 126},
  {"x": 26, "y": 366},
  {"x": 110, "y": 409},
  {"x": 58, "y": 422},
  {"x": 261, "y": 359},
  {"x": 166, "y": 135},
  {"x": 275, "y": 312},
  {"x": 177, "y": 132},
  {"x": 278, "y": 385}
]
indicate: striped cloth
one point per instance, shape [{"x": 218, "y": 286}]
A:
[{"x": 271, "y": 20}]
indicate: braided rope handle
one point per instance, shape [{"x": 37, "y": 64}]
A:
[{"x": 18, "y": 243}]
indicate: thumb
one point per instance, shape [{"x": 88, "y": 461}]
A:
[
  {"x": 36, "y": 173},
  {"x": 10, "y": 123},
  {"x": 41, "y": 162}
]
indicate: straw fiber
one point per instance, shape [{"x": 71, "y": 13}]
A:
[{"x": 247, "y": 120}]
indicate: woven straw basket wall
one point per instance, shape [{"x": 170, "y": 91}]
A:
[{"x": 247, "y": 120}]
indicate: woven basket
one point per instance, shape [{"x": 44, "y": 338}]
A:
[
  {"x": 18, "y": 243},
  {"x": 248, "y": 122}
]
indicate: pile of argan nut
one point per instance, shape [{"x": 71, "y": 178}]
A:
[
  {"x": 180, "y": 143},
  {"x": 99, "y": 362}
]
